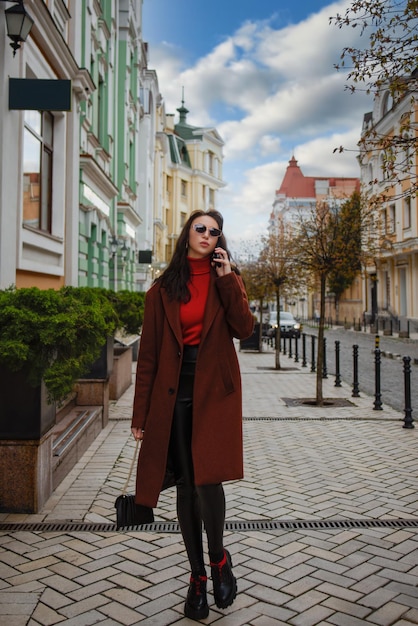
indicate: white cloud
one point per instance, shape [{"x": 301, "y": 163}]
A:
[
  {"x": 270, "y": 92},
  {"x": 269, "y": 144},
  {"x": 252, "y": 200}
]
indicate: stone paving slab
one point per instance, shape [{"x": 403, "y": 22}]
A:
[
  {"x": 323, "y": 577},
  {"x": 301, "y": 463}
]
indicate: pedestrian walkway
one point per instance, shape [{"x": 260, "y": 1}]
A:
[{"x": 322, "y": 530}]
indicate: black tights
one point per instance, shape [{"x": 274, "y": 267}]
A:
[{"x": 194, "y": 504}]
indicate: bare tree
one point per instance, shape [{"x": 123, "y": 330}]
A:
[
  {"x": 387, "y": 62},
  {"x": 257, "y": 287},
  {"x": 349, "y": 240},
  {"x": 280, "y": 269},
  {"x": 333, "y": 240}
]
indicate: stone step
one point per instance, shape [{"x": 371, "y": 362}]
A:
[{"x": 72, "y": 436}]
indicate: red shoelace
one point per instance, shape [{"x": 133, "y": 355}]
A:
[{"x": 198, "y": 581}]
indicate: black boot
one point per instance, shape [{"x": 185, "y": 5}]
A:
[
  {"x": 196, "y": 606},
  {"x": 224, "y": 582}
]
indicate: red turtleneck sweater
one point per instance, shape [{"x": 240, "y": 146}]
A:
[{"x": 191, "y": 313}]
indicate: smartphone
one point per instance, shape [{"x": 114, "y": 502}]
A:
[{"x": 214, "y": 257}]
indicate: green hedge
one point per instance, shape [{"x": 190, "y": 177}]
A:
[{"x": 55, "y": 335}]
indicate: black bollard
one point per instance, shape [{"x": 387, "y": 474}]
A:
[
  {"x": 355, "y": 393},
  {"x": 337, "y": 365},
  {"x": 324, "y": 363},
  {"x": 284, "y": 344},
  {"x": 296, "y": 349},
  {"x": 313, "y": 364},
  {"x": 408, "y": 420},
  {"x": 290, "y": 347},
  {"x": 304, "y": 350},
  {"x": 377, "y": 406}
]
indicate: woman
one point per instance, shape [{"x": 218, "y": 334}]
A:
[{"x": 187, "y": 407}]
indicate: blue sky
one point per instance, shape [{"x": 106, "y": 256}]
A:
[{"x": 261, "y": 72}]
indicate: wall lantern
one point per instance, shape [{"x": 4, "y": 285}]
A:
[
  {"x": 18, "y": 24},
  {"x": 115, "y": 244},
  {"x": 124, "y": 251}
]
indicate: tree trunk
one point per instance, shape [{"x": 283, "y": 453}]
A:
[
  {"x": 320, "y": 357},
  {"x": 260, "y": 335},
  {"x": 277, "y": 351}
]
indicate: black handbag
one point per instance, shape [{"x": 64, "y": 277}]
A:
[{"x": 128, "y": 513}]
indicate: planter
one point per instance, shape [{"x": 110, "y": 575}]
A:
[
  {"x": 25, "y": 474},
  {"x": 26, "y": 427},
  {"x": 103, "y": 365},
  {"x": 135, "y": 349},
  {"x": 24, "y": 410},
  {"x": 128, "y": 341},
  {"x": 121, "y": 377},
  {"x": 252, "y": 342},
  {"x": 93, "y": 388}
]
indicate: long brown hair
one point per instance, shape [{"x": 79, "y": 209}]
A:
[{"x": 176, "y": 276}]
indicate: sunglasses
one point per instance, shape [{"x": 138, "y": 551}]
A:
[{"x": 201, "y": 228}]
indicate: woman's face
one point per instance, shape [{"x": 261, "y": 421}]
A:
[{"x": 202, "y": 244}]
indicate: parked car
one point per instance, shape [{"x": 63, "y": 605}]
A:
[{"x": 289, "y": 327}]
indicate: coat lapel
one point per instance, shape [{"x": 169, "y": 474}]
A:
[
  {"x": 212, "y": 305},
  {"x": 172, "y": 312}
]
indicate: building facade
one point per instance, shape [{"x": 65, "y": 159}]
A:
[
  {"x": 39, "y": 153},
  {"x": 188, "y": 176},
  {"x": 390, "y": 289},
  {"x": 298, "y": 194},
  {"x": 110, "y": 119},
  {"x": 69, "y": 208},
  {"x": 94, "y": 193}
]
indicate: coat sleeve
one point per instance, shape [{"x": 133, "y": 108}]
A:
[
  {"x": 147, "y": 360},
  {"x": 235, "y": 303}
]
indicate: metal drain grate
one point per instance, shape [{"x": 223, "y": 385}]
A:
[{"x": 239, "y": 526}]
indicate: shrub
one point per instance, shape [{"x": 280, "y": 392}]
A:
[
  {"x": 53, "y": 335},
  {"x": 129, "y": 307}
]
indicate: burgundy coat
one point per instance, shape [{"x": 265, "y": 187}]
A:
[{"x": 217, "y": 403}]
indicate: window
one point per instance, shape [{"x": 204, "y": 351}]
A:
[
  {"x": 387, "y": 103},
  {"x": 384, "y": 222},
  {"x": 392, "y": 218},
  {"x": 101, "y": 113},
  {"x": 211, "y": 198},
  {"x": 407, "y": 212},
  {"x": 37, "y": 169},
  {"x": 407, "y": 162},
  {"x": 183, "y": 188},
  {"x": 382, "y": 167},
  {"x": 211, "y": 159}
]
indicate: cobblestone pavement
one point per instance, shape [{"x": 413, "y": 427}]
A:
[
  {"x": 393, "y": 349},
  {"x": 322, "y": 530}
]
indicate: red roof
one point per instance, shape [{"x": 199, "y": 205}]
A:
[{"x": 296, "y": 185}]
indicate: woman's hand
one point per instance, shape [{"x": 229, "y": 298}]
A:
[
  {"x": 222, "y": 263},
  {"x": 138, "y": 433}
]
